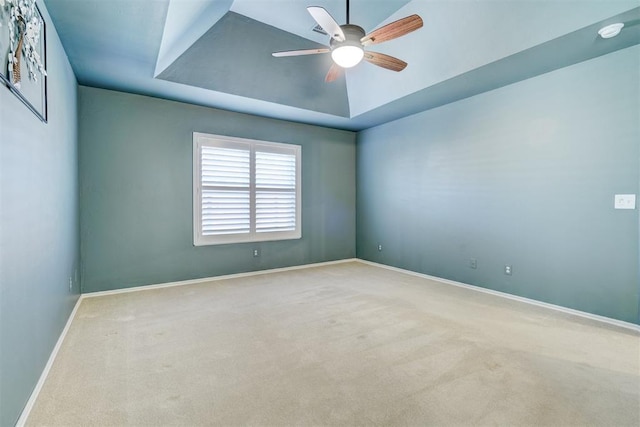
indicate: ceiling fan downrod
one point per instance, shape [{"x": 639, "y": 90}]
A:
[{"x": 347, "y": 12}]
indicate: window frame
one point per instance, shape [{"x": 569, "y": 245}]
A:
[{"x": 203, "y": 139}]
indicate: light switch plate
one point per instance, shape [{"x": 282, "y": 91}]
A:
[{"x": 625, "y": 201}]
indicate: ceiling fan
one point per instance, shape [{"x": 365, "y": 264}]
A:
[{"x": 348, "y": 42}]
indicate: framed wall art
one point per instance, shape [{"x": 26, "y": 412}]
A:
[{"x": 23, "y": 53}]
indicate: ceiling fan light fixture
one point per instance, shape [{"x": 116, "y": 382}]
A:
[
  {"x": 347, "y": 56},
  {"x": 348, "y": 52},
  {"x": 610, "y": 30}
]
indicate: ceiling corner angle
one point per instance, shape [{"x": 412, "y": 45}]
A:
[{"x": 185, "y": 23}]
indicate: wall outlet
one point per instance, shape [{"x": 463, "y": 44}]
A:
[
  {"x": 70, "y": 284},
  {"x": 624, "y": 201},
  {"x": 379, "y": 248},
  {"x": 508, "y": 270},
  {"x": 256, "y": 252},
  {"x": 473, "y": 263}
]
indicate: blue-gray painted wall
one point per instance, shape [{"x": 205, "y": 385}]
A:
[
  {"x": 524, "y": 175},
  {"x": 39, "y": 229},
  {"x": 136, "y": 192}
]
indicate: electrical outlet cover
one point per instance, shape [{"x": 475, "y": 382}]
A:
[{"x": 624, "y": 201}]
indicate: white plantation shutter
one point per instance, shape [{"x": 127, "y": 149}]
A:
[
  {"x": 226, "y": 196},
  {"x": 245, "y": 190},
  {"x": 275, "y": 192}
]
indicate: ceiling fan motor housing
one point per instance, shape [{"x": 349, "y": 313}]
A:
[{"x": 352, "y": 35}]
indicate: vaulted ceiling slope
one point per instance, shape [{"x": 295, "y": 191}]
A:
[{"x": 217, "y": 53}]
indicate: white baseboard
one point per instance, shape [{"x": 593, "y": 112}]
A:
[
  {"x": 45, "y": 372},
  {"x": 214, "y": 278},
  {"x": 566, "y": 310}
]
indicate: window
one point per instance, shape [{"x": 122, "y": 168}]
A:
[{"x": 244, "y": 190}]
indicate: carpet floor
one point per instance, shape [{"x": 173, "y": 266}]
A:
[{"x": 345, "y": 344}]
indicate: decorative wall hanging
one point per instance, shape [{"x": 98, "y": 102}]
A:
[{"x": 23, "y": 58}]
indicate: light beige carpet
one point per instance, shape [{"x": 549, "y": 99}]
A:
[{"x": 348, "y": 344}]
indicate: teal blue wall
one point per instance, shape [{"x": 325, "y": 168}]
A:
[
  {"x": 523, "y": 175},
  {"x": 39, "y": 235},
  {"x": 136, "y": 192}
]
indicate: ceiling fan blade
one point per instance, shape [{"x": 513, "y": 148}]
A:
[
  {"x": 394, "y": 30},
  {"x": 300, "y": 52},
  {"x": 385, "y": 61},
  {"x": 327, "y": 22},
  {"x": 333, "y": 74}
]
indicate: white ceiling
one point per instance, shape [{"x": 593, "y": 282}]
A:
[{"x": 465, "y": 47}]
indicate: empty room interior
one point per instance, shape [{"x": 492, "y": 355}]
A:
[{"x": 277, "y": 212}]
